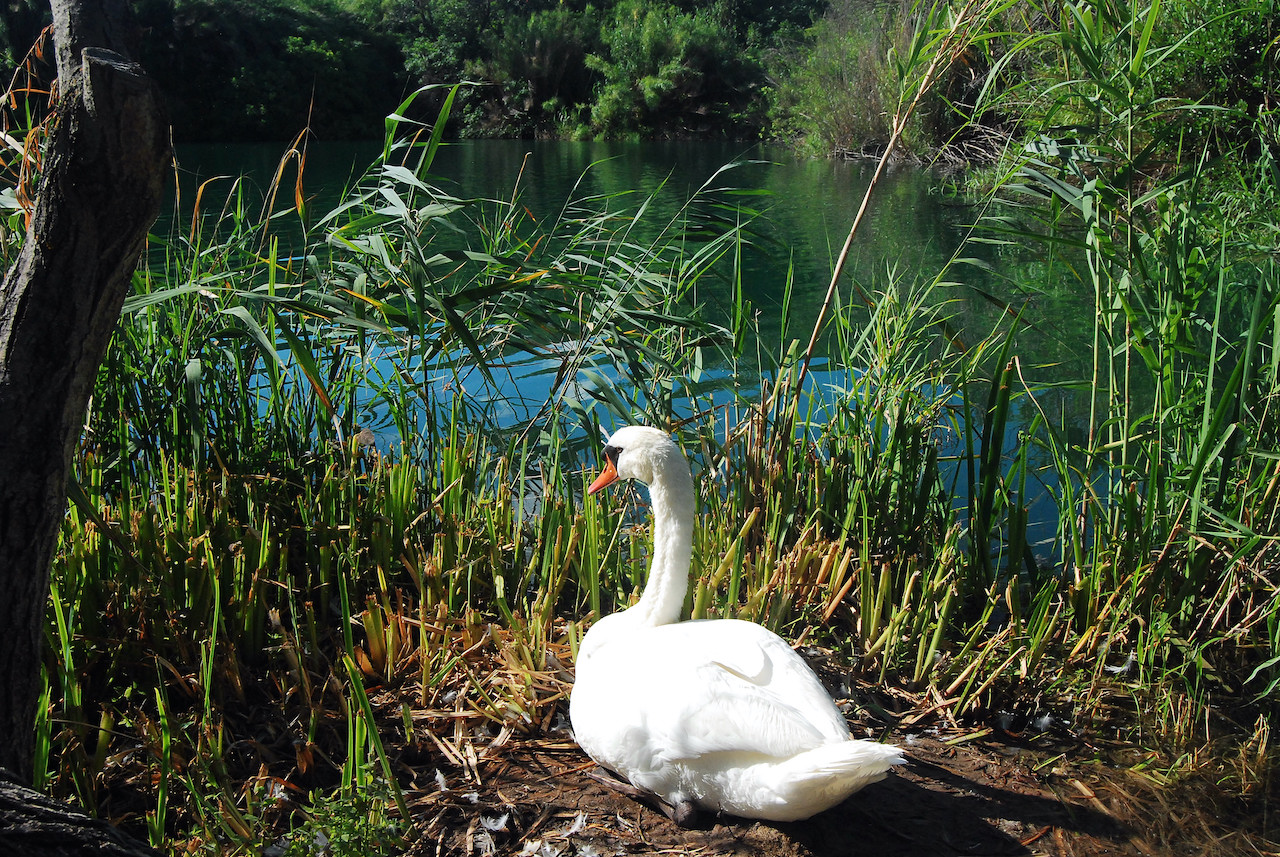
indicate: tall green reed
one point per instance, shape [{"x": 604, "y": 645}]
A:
[
  {"x": 236, "y": 534},
  {"x": 238, "y": 544},
  {"x": 1158, "y": 505}
]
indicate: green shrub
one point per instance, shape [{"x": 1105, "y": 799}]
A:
[
  {"x": 1228, "y": 59},
  {"x": 838, "y": 89},
  {"x": 355, "y": 826},
  {"x": 1208, "y": 73},
  {"x": 236, "y": 70},
  {"x": 538, "y": 67},
  {"x": 672, "y": 74}
]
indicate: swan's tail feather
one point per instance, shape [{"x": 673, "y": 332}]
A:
[{"x": 824, "y": 776}]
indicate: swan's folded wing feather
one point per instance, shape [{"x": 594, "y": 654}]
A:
[
  {"x": 739, "y": 688},
  {"x": 734, "y": 716}
]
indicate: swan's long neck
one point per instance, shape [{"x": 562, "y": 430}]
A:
[{"x": 671, "y": 493}]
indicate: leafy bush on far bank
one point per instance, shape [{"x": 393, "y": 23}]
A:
[
  {"x": 240, "y": 70},
  {"x": 542, "y": 84},
  {"x": 836, "y": 89},
  {"x": 669, "y": 73}
]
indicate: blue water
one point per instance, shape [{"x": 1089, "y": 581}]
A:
[{"x": 910, "y": 232}]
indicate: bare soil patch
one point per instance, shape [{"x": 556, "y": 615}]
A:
[
  {"x": 987, "y": 785},
  {"x": 491, "y": 768},
  {"x": 953, "y": 797}
]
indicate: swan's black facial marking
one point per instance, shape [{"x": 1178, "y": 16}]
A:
[{"x": 612, "y": 452}]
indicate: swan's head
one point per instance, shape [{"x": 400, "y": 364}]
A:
[{"x": 637, "y": 452}]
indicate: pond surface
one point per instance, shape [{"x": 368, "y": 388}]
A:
[{"x": 912, "y": 229}]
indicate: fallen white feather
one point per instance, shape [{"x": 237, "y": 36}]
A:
[{"x": 498, "y": 823}]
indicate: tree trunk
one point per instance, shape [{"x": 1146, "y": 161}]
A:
[
  {"x": 100, "y": 192},
  {"x": 33, "y": 825}
]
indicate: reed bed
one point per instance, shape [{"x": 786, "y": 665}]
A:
[{"x": 323, "y": 556}]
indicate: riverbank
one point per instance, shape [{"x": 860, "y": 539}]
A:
[
  {"x": 823, "y": 77},
  {"x": 265, "y": 616},
  {"x": 1045, "y": 784}
]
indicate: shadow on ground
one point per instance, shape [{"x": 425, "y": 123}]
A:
[{"x": 967, "y": 799}]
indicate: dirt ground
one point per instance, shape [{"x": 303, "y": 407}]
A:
[
  {"x": 1062, "y": 778},
  {"x": 1058, "y": 782},
  {"x": 957, "y": 795}
]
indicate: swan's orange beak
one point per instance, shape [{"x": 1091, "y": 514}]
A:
[{"x": 607, "y": 477}]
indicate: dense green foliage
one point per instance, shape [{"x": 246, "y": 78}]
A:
[
  {"x": 671, "y": 73},
  {"x": 828, "y": 74},
  {"x": 234, "y": 69},
  {"x": 613, "y": 69},
  {"x": 241, "y": 560},
  {"x": 838, "y": 93},
  {"x": 538, "y": 75},
  {"x": 266, "y": 69},
  {"x": 840, "y": 86},
  {"x": 251, "y": 69},
  {"x": 1209, "y": 72}
]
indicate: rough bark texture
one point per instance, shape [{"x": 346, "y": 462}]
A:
[
  {"x": 32, "y": 824},
  {"x": 80, "y": 24},
  {"x": 99, "y": 193}
]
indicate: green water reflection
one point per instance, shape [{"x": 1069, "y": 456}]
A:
[{"x": 912, "y": 227}]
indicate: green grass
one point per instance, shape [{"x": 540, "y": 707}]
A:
[{"x": 251, "y": 604}]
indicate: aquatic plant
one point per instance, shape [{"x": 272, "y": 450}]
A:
[{"x": 313, "y": 533}]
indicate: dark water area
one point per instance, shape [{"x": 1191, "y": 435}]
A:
[{"x": 913, "y": 228}]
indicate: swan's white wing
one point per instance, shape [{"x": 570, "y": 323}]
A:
[
  {"x": 696, "y": 688},
  {"x": 733, "y": 716},
  {"x": 747, "y": 691}
]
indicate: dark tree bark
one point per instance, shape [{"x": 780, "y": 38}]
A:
[
  {"x": 99, "y": 194},
  {"x": 32, "y": 824}
]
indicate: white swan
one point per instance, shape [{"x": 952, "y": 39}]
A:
[{"x": 719, "y": 714}]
